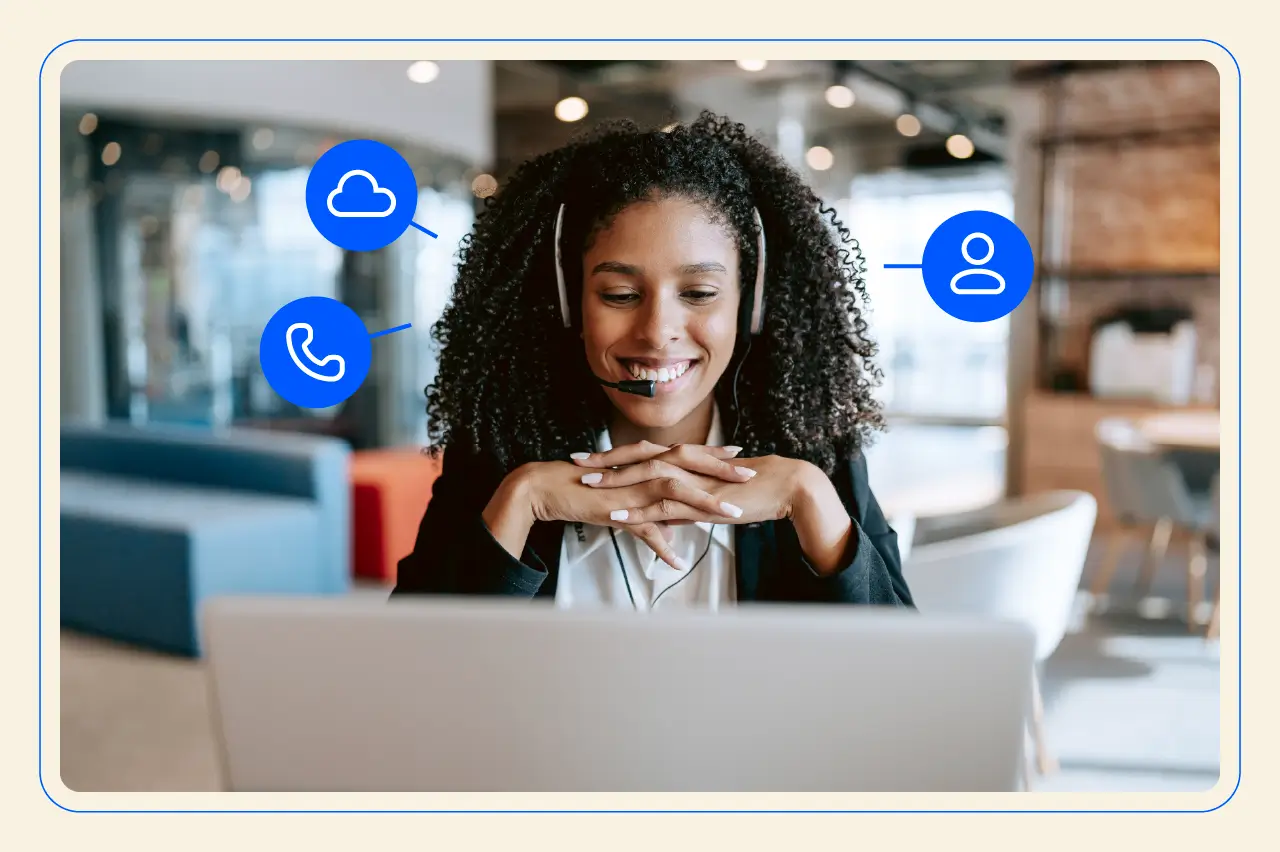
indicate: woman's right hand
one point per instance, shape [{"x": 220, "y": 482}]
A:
[{"x": 559, "y": 491}]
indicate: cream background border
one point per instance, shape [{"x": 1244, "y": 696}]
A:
[{"x": 32, "y": 39}]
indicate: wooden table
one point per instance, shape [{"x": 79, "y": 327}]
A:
[{"x": 1198, "y": 431}]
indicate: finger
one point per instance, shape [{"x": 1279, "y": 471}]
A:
[
  {"x": 618, "y": 456},
  {"x": 670, "y": 512},
  {"x": 651, "y": 534},
  {"x": 668, "y": 534},
  {"x": 643, "y": 451},
  {"x": 700, "y": 460},
  {"x": 635, "y": 474},
  {"x": 671, "y": 499}
]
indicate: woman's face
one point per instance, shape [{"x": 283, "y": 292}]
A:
[{"x": 660, "y": 301}]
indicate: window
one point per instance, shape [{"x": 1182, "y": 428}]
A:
[
  {"x": 944, "y": 386},
  {"x": 936, "y": 367}
]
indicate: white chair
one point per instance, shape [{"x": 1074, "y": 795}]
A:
[
  {"x": 1018, "y": 560},
  {"x": 904, "y": 524},
  {"x": 1146, "y": 486}
]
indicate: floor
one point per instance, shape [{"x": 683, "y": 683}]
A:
[{"x": 1131, "y": 704}]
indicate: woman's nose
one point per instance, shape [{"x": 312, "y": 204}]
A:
[{"x": 659, "y": 324}]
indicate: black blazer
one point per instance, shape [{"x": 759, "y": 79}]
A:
[{"x": 456, "y": 554}]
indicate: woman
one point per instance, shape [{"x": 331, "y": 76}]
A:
[{"x": 633, "y": 256}]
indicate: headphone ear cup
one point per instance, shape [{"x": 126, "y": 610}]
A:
[
  {"x": 755, "y": 314},
  {"x": 563, "y": 291},
  {"x": 747, "y": 300}
]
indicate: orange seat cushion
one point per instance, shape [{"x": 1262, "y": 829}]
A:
[{"x": 390, "y": 489}]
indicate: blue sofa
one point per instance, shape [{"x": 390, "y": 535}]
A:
[{"x": 155, "y": 520}]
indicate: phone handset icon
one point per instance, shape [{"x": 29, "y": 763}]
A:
[{"x": 306, "y": 350}]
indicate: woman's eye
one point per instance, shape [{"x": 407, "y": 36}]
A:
[
  {"x": 619, "y": 298},
  {"x": 700, "y": 295}
]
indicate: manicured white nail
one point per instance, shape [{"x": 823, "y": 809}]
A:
[
  {"x": 681, "y": 565},
  {"x": 592, "y": 478},
  {"x": 734, "y": 450},
  {"x": 618, "y": 515},
  {"x": 745, "y": 471},
  {"x": 731, "y": 510},
  {"x": 579, "y": 456}
]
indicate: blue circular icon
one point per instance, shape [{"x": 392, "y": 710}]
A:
[
  {"x": 315, "y": 352},
  {"x": 361, "y": 195},
  {"x": 977, "y": 266}
]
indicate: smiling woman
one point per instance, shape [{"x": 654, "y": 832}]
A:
[{"x": 694, "y": 258}]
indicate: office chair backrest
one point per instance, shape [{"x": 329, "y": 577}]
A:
[{"x": 1020, "y": 560}]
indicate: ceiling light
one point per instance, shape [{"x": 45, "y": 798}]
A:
[
  {"x": 240, "y": 191},
  {"x": 571, "y": 109},
  {"x": 423, "y": 71},
  {"x": 88, "y": 123},
  {"x": 840, "y": 96},
  {"x": 208, "y": 162},
  {"x": 484, "y": 186},
  {"x": 263, "y": 138},
  {"x": 752, "y": 64},
  {"x": 908, "y": 124},
  {"x": 111, "y": 153},
  {"x": 819, "y": 158},
  {"x": 228, "y": 178},
  {"x": 959, "y": 146}
]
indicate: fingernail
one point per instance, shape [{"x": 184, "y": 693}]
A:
[
  {"x": 579, "y": 456},
  {"x": 745, "y": 471},
  {"x": 592, "y": 478},
  {"x": 618, "y": 515},
  {"x": 681, "y": 565},
  {"x": 734, "y": 450},
  {"x": 731, "y": 510}
]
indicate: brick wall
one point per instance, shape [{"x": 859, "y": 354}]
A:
[{"x": 1140, "y": 204}]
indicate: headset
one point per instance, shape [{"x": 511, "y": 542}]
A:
[{"x": 750, "y": 324}]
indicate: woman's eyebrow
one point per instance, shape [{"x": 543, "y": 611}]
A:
[
  {"x": 615, "y": 266},
  {"x": 629, "y": 269},
  {"x": 706, "y": 266}
]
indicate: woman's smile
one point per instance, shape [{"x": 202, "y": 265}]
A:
[{"x": 669, "y": 373}]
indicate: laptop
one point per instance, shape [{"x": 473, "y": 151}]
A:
[{"x": 482, "y": 694}]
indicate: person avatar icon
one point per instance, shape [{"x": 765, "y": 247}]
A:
[{"x": 983, "y": 286}]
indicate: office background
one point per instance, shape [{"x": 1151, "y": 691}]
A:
[{"x": 184, "y": 229}]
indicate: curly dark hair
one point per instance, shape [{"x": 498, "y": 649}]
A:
[{"x": 514, "y": 384}]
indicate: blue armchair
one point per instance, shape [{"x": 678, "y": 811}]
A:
[{"x": 157, "y": 519}]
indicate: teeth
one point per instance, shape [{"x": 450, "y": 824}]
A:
[{"x": 666, "y": 374}]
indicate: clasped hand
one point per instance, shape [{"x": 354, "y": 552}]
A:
[{"x": 645, "y": 488}]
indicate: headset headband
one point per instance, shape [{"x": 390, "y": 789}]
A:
[{"x": 757, "y": 295}]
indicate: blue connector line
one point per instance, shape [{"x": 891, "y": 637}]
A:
[
  {"x": 390, "y": 330},
  {"x": 431, "y": 234}
]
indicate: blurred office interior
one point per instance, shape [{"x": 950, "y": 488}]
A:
[{"x": 184, "y": 227}]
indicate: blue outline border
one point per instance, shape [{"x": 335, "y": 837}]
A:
[{"x": 40, "y": 406}]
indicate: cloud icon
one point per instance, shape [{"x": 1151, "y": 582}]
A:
[{"x": 361, "y": 204}]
